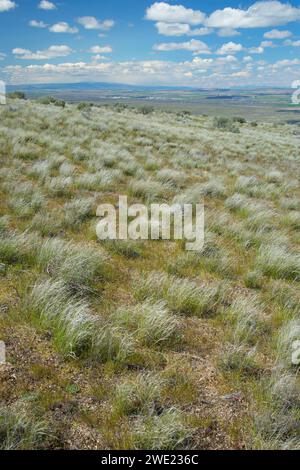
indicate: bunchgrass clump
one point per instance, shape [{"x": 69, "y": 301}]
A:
[
  {"x": 60, "y": 186},
  {"x": 19, "y": 430},
  {"x": 196, "y": 194},
  {"x": 279, "y": 263},
  {"x": 111, "y": 343},
  {"x": 182, "y": 296},
  {"x": 18, "y": 248},
  {"x": 70, "y": 320},
  {"x": 285, "y": 294},
  {"x": 150, "y": 322},
  {"x": 246, "y": 314},
  {"x": 225, "y": 124},
  {"x": 168, "y": 431},
  {"x": 238, "y": 358},
  {"x": 47, "y": 224},
  {"x": 79, "y": 266},
  {"x": 77, "y": 211},
  {"x": 76, "y": 331},
  {"x": 139, "y": 395},
  {"x": 172, "y": 177},
  {"x": 148, "y": 190},
  {"x": 253, "y": 280}
]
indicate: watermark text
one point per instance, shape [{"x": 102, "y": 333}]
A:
[{"x": 160, "y": 221}]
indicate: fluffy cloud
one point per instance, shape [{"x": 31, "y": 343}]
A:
[
  {"x": 161, "y": 11},
  {"x": 101, "y": 49},
  {"x": 209, "y": 72},
  {"x": 89, "y": 22},
  {"x": 180, "y": 29},
  {"x": 265, "y": 44},
  {"x": 286, "y": 63},
  {"x": 6, "y": 5},
  {"x": 256, "y": 50},
  {"x": 241, "y": 74},
  {"x": 228, "y": 32},
  {"x": 276, "y": 34},
  {"x": 37, "y": 24},
  {"x": 63, "y": 27},
  {"x": 193, "y": 45},
  {"x": 50, "y": 53},
  {"x": 99, "y": 57},
  {"x": 259, "y": 15},
  {"x": 2, "y": 56},
  {"x": 172, "y": 29},
  {"x": 230, "y": 48},
  {"x": 46, "y": 5},
  {"x": 288, "y": 42}
]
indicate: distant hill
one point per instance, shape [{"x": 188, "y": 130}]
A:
[
  {"x": 90, "y": 86},
  {"x": 121, "y": 86}
]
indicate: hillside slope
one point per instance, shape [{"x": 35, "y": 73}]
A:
[{"x": 143, "y": 345}]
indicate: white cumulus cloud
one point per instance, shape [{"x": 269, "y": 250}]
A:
[
  {"x": 63, "y": 27},
  {"x": 228, "y": 32},
  {"x": 101, "y": 49},
  {"x": 289, "y": 42},
  {"x": 265, "y": 44},
  {"x": 241, "y": 73},
  {"x": 172, "y": 29},
  {"x": 260, "y": 15},
  {"x": 99, "y": 57},
  {"x": 37, "y": 24},
  {"x": 276, "y": 34},
  {"x": 6, "y": 5},
  {"x": 212, "y": 72},
  {"x": 50, "y": 53},
  {"x": 256, "y": 50},
  {"x": 161, "y": 11},
  {"x": 90, "y": 22},
  {"x": 193, "y": 45},
  {"x": 230, "y": 48},
  {"x": 46, "y": 5},
  {"x": 180, "y": 29}
]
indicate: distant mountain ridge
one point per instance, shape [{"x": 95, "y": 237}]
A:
[
  {"x": 121, "y": 86},
  {"x": 93, "y": 86}
]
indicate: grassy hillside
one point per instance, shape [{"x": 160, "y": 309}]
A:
[
  {"x": 142, "y": 345},
  {"x": 258, "y": 104}
]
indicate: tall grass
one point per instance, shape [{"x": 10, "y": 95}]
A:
[
  {"x": 19, "y": 430},
  {"x": 76, "y": 330},
  {"x": 139, "y": 395},
  {"x": 79, "y": 266},
  {"x": 70, "y": 320},
  {"x": 279, "y": 263},
  {"x": 18, "y": 248},
  {"x": 165, "y": 432},
  {"x": 150, "y": 322},
  {"x": 182, "y": 296}
]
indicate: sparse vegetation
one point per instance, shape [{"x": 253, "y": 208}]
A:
[
  {"x": 17, "y": 95},
  {"x": 129, "y": 344},
  {"x": 226, "y": 124}
]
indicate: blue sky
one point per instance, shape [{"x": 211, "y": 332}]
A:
[{"x": 193, "y": 43}]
